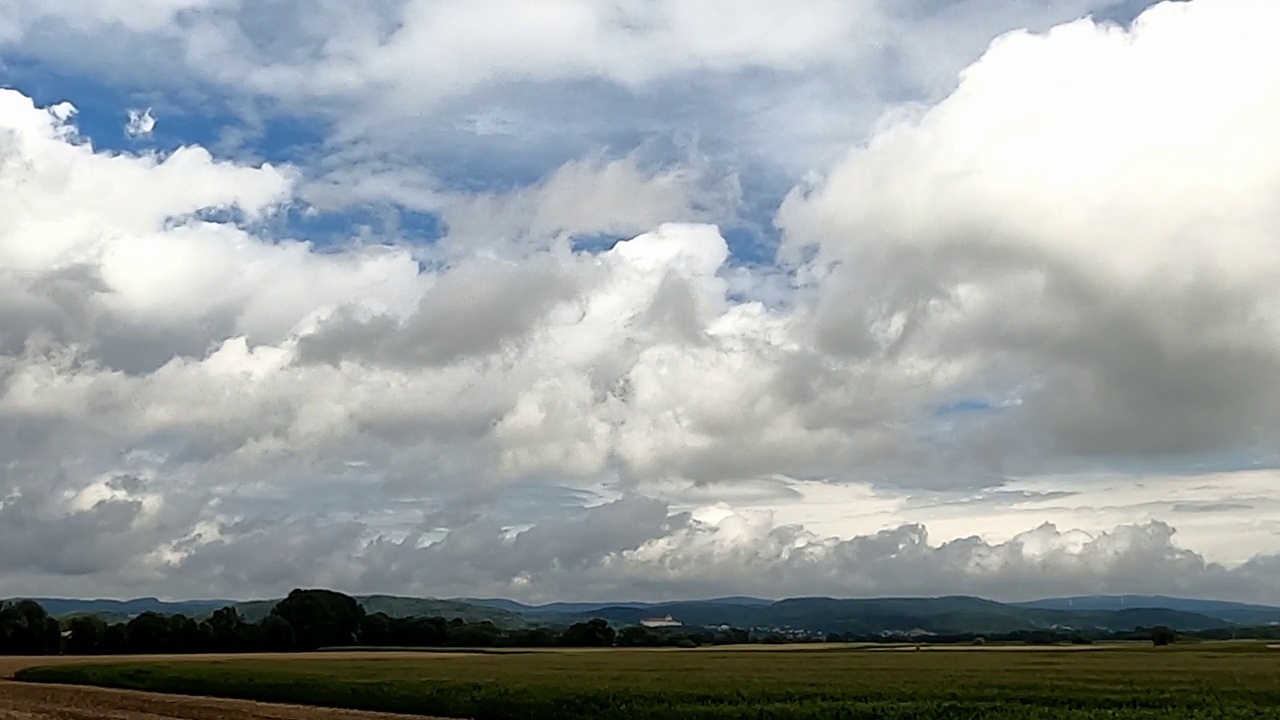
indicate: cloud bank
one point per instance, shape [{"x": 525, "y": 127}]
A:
[{"x": 1061, "y": 267}]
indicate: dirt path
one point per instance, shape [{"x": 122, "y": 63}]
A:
[
  {"x": 31, "y": 701},
  {"x": 23, "y": 701}
]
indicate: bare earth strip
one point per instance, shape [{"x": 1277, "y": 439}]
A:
[
  {"x": 29, "y": 701},
  {"x": 23, "y": 701}
]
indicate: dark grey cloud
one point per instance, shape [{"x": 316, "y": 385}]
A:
[
  {"x": 635, "y": 548},
  {"x": 989, "y": 235},
  {"x": 1210, "y": 507},
  {"x": 471, "y": 310},
  {"x": 189, "y": 401}
]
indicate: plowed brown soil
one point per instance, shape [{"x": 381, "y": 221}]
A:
[{"x": 29, "y": 701}]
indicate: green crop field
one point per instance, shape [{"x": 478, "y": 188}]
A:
[{"x": 1223, "y": 681}]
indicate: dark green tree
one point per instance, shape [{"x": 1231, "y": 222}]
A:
[
  {"x": 534, "y": 637},
  {"x": 87, "y": 635},
  {"x": 115, "y": 641},
  {"x": 592, "y": 633},
  {"x": 226, "y": 631},
  {"x": 378, "y": 629},
  {"x": 276, "y": 634},
  {"x": 149, "y": 633},
  {"x": 474, "y": 635},
  {"x": 422, "y": 631},
  {"x": 321, "y": 618},
  {"x": 1161, "y": 636},
  {"x": 26, "y": 629},
  {"x": 637, "y": 636},
  {"x": 185, "y": 635}
]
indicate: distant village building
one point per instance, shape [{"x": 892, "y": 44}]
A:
[{"x": 661, "y": 622}]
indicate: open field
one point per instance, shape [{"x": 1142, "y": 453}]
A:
[
  {"x": 23, "y": 701},
  {"x": 12, "y": 664},
  {"x": 1212, "y": 680}
]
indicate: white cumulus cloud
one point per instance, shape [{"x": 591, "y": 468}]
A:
[
  {"x": 1065, "y": 264},
  {"x": 141, "y": 123},
  {"x": 1085, "y": 223}
]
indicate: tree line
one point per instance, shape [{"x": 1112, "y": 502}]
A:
[
  {"x": 306, "y": 620},
  {"x": 313, "y": 619}
]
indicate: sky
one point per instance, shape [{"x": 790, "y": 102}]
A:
[{"x": 639, "y": 300}]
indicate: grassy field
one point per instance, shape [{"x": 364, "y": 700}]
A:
[{"x": 1223, "y": 681}]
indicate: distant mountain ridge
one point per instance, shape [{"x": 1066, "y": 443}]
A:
[
  {"x": 560, "y": 608},
  {"x": 115, "y": 609},
  {"x": 1235, "y": 612},
  {"x": 941, "y": 616},
  {"x": 867, "y": 616},
  {"x": 254, "y": 610}
]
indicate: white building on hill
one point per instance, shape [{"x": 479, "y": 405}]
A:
[{"x": 661, "y": 622}]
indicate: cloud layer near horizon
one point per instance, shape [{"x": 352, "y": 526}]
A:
[{"x": 1062, "y": 266}]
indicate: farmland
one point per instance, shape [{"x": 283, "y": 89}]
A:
[
  {"x": 57, "y": 702},
  {"x": 1218, "y": 680}
]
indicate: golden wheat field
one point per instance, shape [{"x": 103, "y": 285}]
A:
[{"x": 1220, "y": 680}]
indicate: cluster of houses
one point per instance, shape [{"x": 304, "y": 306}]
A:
[{"x": 791, "y": 634}]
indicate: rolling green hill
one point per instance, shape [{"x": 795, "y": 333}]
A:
[
  {"x": 940, "y": 615},
  {"x": 410, "y": 607}
]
